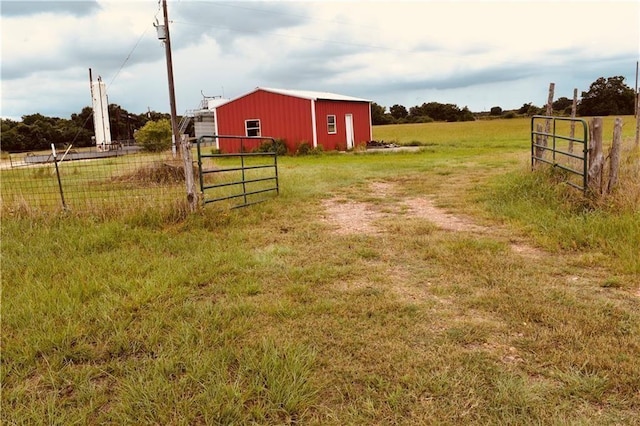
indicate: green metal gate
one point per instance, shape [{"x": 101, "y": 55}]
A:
[
  {"x": 563, "y": 157},
  {"x": 244, "y": 176}
]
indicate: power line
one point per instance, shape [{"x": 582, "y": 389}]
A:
[
  {"x": 135, "y": 46},
  {"x": 128, "y": 56}
]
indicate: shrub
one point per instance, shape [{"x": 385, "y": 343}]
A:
[
  {"x": 155, "y": 136},
  {"x": 279, "y": 146},
  {"x": 318, "y": 150},
  {"x": 420, "y": 119},
  {"x": 304, "y": 148}
]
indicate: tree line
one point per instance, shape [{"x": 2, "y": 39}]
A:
[
  {"x": 38, "y": 132},
  {"x": 425, "y": 113},
  {"x": 610, "y": 96},
  {"x": 606, "y": 96}
]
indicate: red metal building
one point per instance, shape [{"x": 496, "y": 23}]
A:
[{"x": 335, "y": 122}]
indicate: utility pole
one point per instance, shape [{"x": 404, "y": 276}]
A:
[
  {"x": 172, "y": 93},
  {"x": 185, "y": 146}
]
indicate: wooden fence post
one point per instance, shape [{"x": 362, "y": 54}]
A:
[
  {"x": 614, "y": 155},
  {"x": 192, "y": 197},
  {"x": 596, "y": 157}
]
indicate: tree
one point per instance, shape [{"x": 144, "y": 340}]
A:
[
  {"x": 31, "y": 119},
  {"x": 607, "y": 97},
  {"x": 36, "y": 131},
  {"x": 561, "y": 104},
  {"x": 378, "y": 115},
  {"x": 524, "y": 109},
  {"x": 84, "y": 119},
  {"x": 496, "y": 110},
  {"x": 398, "y": 112},
  {"x": 466, "y": 114},
  {"x": 12, "y": 138},
  {"x": 69, "y": 133},
  {"x": 439, "y": 112},
  {"x": 19, "y": 138},
  {"x": 529, "y": 109},
  {"x": 122, "y": 123},
  {"x": 155, "y": 136}
]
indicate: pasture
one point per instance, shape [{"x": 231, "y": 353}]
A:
[{"x": 445, "y": 286}]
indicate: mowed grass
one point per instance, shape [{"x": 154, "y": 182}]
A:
[{"x": 267, "y": 315}]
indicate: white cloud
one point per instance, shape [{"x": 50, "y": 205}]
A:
[{"x": 478, "y": 53}]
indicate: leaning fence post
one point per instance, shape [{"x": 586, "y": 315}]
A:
[
  {"x": 55, "y": 161},
  {"x": 614, "y": 156},
  {"x": 192, "y": 197},
  {"x": 596, "y": 157}
]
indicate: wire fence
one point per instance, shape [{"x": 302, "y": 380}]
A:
[{"x": 89, "y": 181}]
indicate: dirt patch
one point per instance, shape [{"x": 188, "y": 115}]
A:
[
  {"x": 424, "y": 208},
  {"x": 382, "y": 189},
  {"x": 350, "y": 217}
]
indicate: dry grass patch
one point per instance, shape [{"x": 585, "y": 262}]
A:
[{"x": 157, "y": 173}]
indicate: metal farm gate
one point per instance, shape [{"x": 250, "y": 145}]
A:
[
  {"x": 244, "y": 176},
  {"x": 561, "y": 132}
]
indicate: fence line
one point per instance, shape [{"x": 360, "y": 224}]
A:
[{"x": 88, "y": 181}]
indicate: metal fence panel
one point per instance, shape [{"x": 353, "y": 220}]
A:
[
  {"x": 563, "y": 156},
  {"x": 231, "y": 177}
]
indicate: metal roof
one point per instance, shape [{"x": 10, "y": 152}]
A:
[{"x": 309, "y": 94}]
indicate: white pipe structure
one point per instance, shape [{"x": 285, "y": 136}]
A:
[{"x": 100, "y": 106}]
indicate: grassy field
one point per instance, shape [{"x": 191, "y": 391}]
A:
[{"x": 445, "y": 286}]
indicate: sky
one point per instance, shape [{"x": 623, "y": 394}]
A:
[{"x": 478, "y": 54}]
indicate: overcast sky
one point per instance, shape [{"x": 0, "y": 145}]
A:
[{"x": 476, "y": 54}]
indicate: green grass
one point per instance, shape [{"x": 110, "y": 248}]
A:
[
  {"x": 266, "y": 315},
  {"x": 494, "y": 133},
  {"x": 489, "y": 134}
]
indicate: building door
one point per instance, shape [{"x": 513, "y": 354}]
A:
[{"x": 348, "y": 126}]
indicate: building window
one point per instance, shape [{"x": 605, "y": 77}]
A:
[
  {"x": 331, "y": 124},
  {"x": 252, "y": 127}
]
